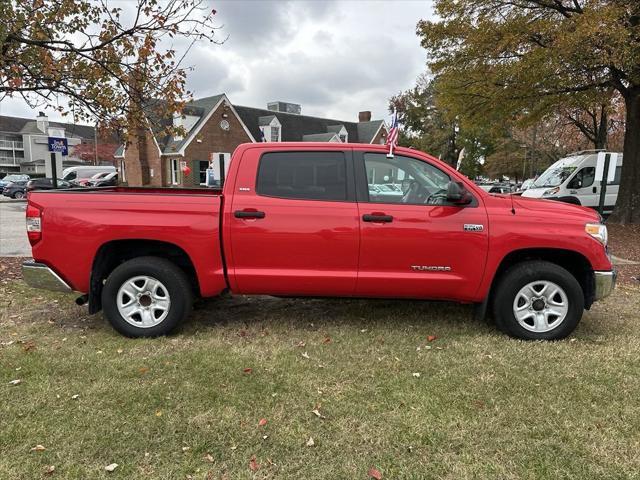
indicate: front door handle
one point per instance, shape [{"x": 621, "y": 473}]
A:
[
  {"x": 595, "y": 189},
  {"x": 377, "y": 218},
  {"x": 248, "y": 214}
]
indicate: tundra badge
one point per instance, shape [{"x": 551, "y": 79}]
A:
[{"x": 472, "y": 227}]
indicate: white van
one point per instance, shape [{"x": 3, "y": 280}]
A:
[
  {"x": 573, "y": 180},
  {"x": 85, "y": 172}
]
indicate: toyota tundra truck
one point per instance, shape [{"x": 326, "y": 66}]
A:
[{"x": 321, "y": 220}]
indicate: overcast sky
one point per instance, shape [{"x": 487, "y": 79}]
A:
[{"x": 334, "y": 57}]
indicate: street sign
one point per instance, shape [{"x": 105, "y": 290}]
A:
[{"x": 58, "y": 145}]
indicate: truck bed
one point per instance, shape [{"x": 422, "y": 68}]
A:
[{"x": 88, "y": 221}]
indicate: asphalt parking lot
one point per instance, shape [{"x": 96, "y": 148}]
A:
[{"x": 13, "y": 237}]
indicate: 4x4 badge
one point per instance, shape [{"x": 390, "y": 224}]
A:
[{"x": 472, "y": 227}]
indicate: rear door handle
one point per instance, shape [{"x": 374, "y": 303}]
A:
[
  {"x": 248, "y": 214},
  {"x": 369, "y": 217}
]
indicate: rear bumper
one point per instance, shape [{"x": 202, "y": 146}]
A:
[
  {"x": 38, "y": 275},
  {"x": 605, "y": 282}
]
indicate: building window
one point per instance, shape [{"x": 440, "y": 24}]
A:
[
  {"x": 174, "y": 165},
  {"x": 202, "y": 171},
  {"x": 275, "y": 134}
]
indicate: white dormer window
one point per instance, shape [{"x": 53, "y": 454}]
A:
[
  {"x": 187, "y": 122},
  {"x": 275, "y": 134}
]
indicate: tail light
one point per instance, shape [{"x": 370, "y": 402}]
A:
[{"x": 34, "y": 224}]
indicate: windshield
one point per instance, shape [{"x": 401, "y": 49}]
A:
[
  {"x": 13, "y": 178},
  {"x": 554, "y": 177}
]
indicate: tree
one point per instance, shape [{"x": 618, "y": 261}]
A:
[
  {"x": 427, "y": 126},
  {"x": 82, "y": 56},
  {"x": 90, "y": 152},
  {"x": 509, "y": 58}
]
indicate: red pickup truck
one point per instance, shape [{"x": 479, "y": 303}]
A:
[{"x": 318, "y": 219}]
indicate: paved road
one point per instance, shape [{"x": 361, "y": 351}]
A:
[{"x": 13, "y": 236}]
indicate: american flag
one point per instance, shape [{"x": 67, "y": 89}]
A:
[{"x": 392, "y": 138}]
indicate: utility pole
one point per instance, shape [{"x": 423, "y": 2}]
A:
[{"x": 95, "y": 144}]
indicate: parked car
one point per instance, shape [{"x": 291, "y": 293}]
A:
[
  {"x": 17, "y": 189},
  {"x": 297, "y": 219},
  {"x": 105, "y": 180},
  {"x": 83, "y": 173},
  {"x": 501, "y": 189},
  {"x": 573, "y": 180},
  {"x": 46, "y": 184},
  {"x": 13, "y": 178}
]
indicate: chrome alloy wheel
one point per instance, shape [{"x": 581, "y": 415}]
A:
[
  {"x": 143, "y": 301},
  {"x": 540, "y": 306}
]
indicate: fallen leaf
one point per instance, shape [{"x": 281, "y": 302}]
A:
[
  {"x": 305, "y": 355},
  {"x": 185, "y": 449},
  {"x": 317, "y": 413},
  {"x": 301, "y": 344},
  {"x": 416, "y": 374},
  {"x": 264, "y": 437},
  {"x": 119, "y": 350},
  {"x": 15, "y": 382},
  {"x": 326, "y": 340},
  {"x": 143, "y": 370},
  {"x": 364, "y": 330},
  {"x": 38, "y": 448},
  {"x": 262, "y": 422},
  {"x": 233, "y": 447},
  {"x": 49, "y": 470},
  {"x": 253, "y": 464},
  {"x": 75, "y": 397},
  {"x": 111, "y": 467},
  {"x": 374, "y": 473},
  {"x": 158, "y": 413},
  {"x": 247, "y": 370},
  {"x": 242, "y": 333},
  {"x": 431, "y": 338},
  {"x": 310, "y": 442},
  {"x": 29, "y": 346},
  {"x": 209, "y": 458}
]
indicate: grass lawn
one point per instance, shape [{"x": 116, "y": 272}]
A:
[{"x": 471, "y": 403}]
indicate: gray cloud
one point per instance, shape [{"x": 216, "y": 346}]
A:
[{"x": 333, "y": 57}]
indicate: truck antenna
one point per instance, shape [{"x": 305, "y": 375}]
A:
[{"x": 513, "y": 210}]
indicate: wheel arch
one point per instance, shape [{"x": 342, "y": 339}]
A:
[
  {"x": 574, "y": 262},
  {"x": 116, "y": 252}
]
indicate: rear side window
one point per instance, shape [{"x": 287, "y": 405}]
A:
[{"x": 303, "y": 175}]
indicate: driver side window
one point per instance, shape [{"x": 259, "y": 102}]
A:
[
  {"x": 404, "y": 180},
  {"x": 584, "y": 178}
]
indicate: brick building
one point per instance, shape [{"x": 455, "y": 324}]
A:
[{"x": 215, "y": 127}]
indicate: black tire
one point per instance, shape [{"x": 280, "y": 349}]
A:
[
  {"x": 522, "y": 274},
  {"x": 18, "y": 195},
  {"x": 172, "y": 278}
]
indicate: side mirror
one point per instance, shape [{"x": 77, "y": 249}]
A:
[{"x": 458, "y": 194}]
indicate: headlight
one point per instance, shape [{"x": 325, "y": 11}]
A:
[
  {"x": 553, "y": 191},
  {"x": 597, "y": 231}
]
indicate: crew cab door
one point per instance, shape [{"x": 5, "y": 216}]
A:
[
  {"x": 293, "y": 224},
  {"x": 413, "y": 242}
]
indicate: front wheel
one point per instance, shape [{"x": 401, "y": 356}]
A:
[
  {"x": 538, "y": 300},
  {"x": 147, "y": 297},
  {"x": 18, "y": 195}
]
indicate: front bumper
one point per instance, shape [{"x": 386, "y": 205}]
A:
[
  {"x": 38, "y": 275},
  {"x": 605, "y": 282}
]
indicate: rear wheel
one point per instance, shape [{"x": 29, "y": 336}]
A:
[
  {"x": 538, "y": 300},
  {"x": 147, "y": 297},
  {"x": 18, "y": 195}
]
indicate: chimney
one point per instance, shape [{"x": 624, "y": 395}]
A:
[
  {"x": 42, "y": 122},
  {"x": 364, "y": 116}
]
